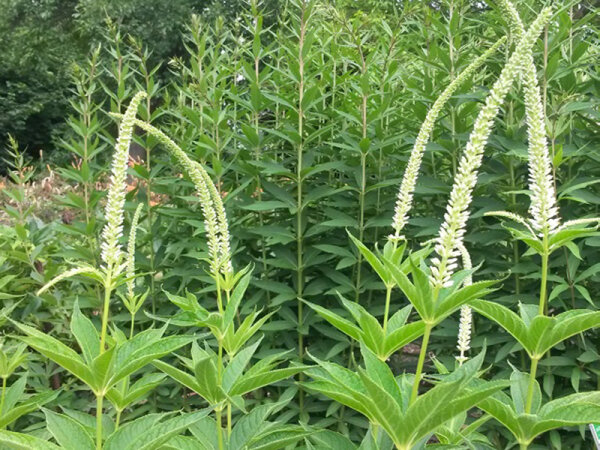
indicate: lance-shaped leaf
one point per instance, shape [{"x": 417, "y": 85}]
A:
[
  {"x": 504, "y": 317},
  {"x": 17, "y": 405},
  {"x": 20, "y": 441},
  {"x": 86, "y": 335},
  {"x": 151, "y": 431},
  {"x": 145, "y": 354},
  {"x": 572, "y": 410},
  {"x": 59, "y": 353},
  {"x": 135, "y": 392},
  {"x": 69, "y": 433},
  {"x": 279, "y": 436},
  {"x": 264, "y": 373}
]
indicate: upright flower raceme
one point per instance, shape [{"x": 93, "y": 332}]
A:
[
  {"x": 130, "y": 260},
  {"x": 112, "y": 253},
  {"x": 466, "y": 314},
  {"x": 543, "y": 208},
  {"x": 411, "y": 173},
  {"x": 452, "y": 230}
]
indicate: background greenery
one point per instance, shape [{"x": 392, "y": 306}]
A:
[{"x": 225, "y": 85}]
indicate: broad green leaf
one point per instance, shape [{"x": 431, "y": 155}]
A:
[
  {"x": 238, "y": 364},
  {"x": 402, "y": 336},
  {"x": 279, "y": 437},
  {"x": 249, "y": 426},
  {"x": 148, "y": 433},
  {"x": 182, "y": 377},
  {"x": 58, "y": 352},
  {"x": 507, "y": 319},
  {"x": 337, "y": 321},
  {"x": 20, "y": 441},
  {"x": 382, "y": 406},
  {"x": 86, "y": 335},
  {"x": 70, "y": 434},
  {"x": 15, "y": 410},
  {"x": 148, "y": 353},
  {"x": 236, "y": 297},
  {"x": 252, "y": 381},
  {"x": 519, "y": 387},
  {"x": 374, "y": 261}
]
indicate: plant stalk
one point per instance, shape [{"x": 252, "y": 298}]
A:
[
  {"x": 532, "y": 373},
  {"x": 420, "y": 363},
  {"x": 388, "y": 295},
  {"x": 99, "y": 399}
]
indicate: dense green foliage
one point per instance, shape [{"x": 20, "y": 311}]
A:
[{"x": 263, "y": 294}]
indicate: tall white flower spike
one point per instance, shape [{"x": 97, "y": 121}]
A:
[
  {"x": 452, "y": 230},
  {"x": 112, "y": 253},
  {"x": 466, "y": 314},
  {"x": 543, "y": 208},
  {"x": 411, "y": 173},
  {"x": 130, "y": 259}
]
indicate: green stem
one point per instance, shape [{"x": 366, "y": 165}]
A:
[
  {"x": 99, "y": 399},
  {"x": 228, "y": 420},
  {"x": 420, "y": 363},
  {"x": 3, "y": 395},
  {"x": 299, "y": 205},
  {"x": 219, "y": 429},
  {"x": 542, "y": 306},
  {"x": 131, "y": 326},
  {"x": 388, "y": 295},
  {"x": 118, "y": 419},
  {"x": 534, "y": 363},
  {"x": 105, "y": 311}
]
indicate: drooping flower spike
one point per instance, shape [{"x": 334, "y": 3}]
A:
[
  {"x": 411, "y": 173},
  {"x": 215, "y": 218},
  {"x": 452, "y": 230}
]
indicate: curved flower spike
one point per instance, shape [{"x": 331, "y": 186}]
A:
[
  {"x": 411, "y": 173},
  {"x": 452, "y": 230}
]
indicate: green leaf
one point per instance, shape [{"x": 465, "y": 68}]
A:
[
  {"x": 70, "y": 434},
  {"x": 373, "y": 260},
  {"x": 402, "y": 336},
  {"x": 250, "y": 426},
  {"x": 182, "y": 377},
  {"x": 13, "y": 410},
  {"x": 148, "y": 353},
  {"x": 86, "y": 334},
  {"x": 507, "y": 319},
  {"x": 279, "y": 437},
  {"x": 566, "y": 325},
  {"x": 151, "y": 432},
  {"x": 253, "y": 380},
  {"x": 519, "y": 387},
  {"x": 235, "y": 299},
  {"x": 20, "y": 441},
  {"x": 58, "y": 352},
  {"x": 237, "y": 365},
  {"x": 337, "y": 321}
]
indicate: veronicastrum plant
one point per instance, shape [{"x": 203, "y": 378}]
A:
[
  {"x": 106, "y": 360},
  {"x": 223, "y": 377},
  {"x": 435, "y": 292},
  {"x": 524, "y": 413}
]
